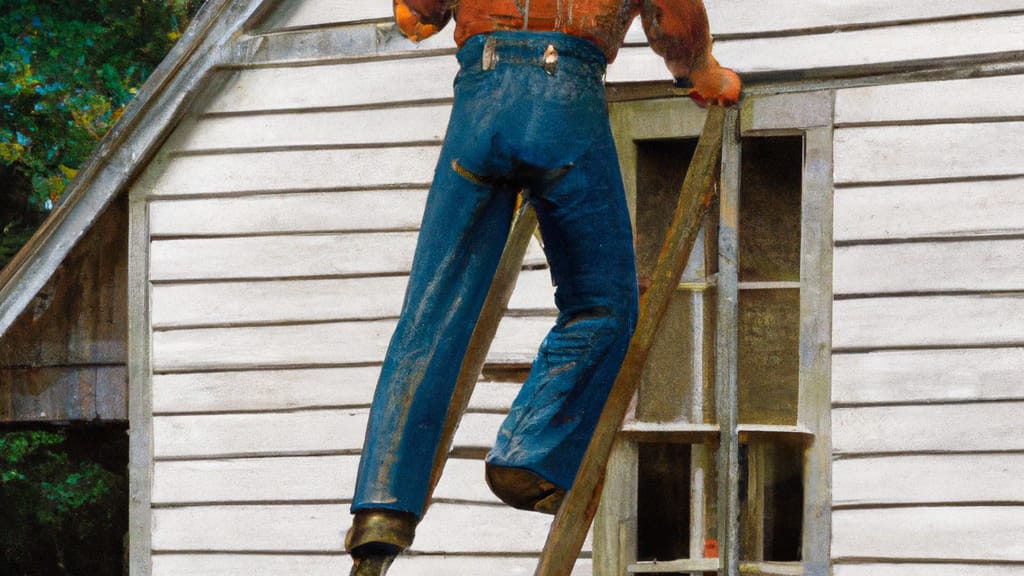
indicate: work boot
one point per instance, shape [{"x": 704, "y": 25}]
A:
[
  {"x": 523, "y": 489},
  {"x": 376, "y": 538}
]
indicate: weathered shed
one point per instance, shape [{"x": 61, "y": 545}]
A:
[{"x": 274, "y": 169}]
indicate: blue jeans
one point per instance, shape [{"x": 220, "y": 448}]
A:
[{"x": 514, "y": 126}]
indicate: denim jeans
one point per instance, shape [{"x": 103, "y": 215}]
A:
[{"x": 516, "y": 124}]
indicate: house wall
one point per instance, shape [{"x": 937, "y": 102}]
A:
[
  {"x": 279, "y": 219},
  {"x": 928, "y": 366}
]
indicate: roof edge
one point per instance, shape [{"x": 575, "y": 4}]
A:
[{"x": 128, "y": 145}]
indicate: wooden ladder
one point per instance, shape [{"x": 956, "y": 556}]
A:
[{"x": 571, "y": 524}]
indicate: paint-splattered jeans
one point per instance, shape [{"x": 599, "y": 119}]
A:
[{"x": 515, "y": 125}]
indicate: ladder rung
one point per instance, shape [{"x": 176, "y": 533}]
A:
[
  {"x": 711, "y": 565},
  {"x": 797, "y": 433},
  {"x": 673, "y": 432},
  {"x": 688, "y": 433},
  {"x": 674, "y": 566}
]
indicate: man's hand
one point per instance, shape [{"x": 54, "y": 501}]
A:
[
  {"x": 714, "y": 84},
  {"x": 421, "y": 19}
]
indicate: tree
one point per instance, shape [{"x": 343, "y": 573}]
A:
[
  {"x": 63, "y": 501},
  {"x": 67, "y": 71}
]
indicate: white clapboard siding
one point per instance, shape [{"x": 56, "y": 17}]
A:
[
  {"x": 333, "y": 565},
  {"x": 980, "y": 265},
  {"x": 289, "y": 256},
  {"x": 929, "y": 428},
  {"x": 970, "y": 99},
  {"x": 177, "y": 305},
  {"x": 906, "y": 376},
  {"x": 281, "y": 256},
  {"x": 294, "y": 478},
  {"x": 975, "y": 208},
  {"x": 288, "y": 433},
  {"x": 306, "y": 13},
  {"x": 392, "y": 125},
  {"x": 294, "y": 212},
  {"x": 298, "y": 170},
  {"x": 987, "y": 533},
  {"x": 254, "y": 390},
  {"x": 331, "y": 343},
  {"x": 736, "y": 17},
  {"x": 930, "y": 569},
  {"x": 753, "y": 16},
  {"x": 448, "y": 528},
  {"x": 278, "y": 390},
  {"x": 948, "y": 321},
  {"x": 928, "y": 479},
  {"x": 928, "y": 152},
  {"x": 360, "y": 83},
  {"x": 886, "y": 45}
]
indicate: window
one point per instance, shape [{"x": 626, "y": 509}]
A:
[{"x": 731, "y": 418}]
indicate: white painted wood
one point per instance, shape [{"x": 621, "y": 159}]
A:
[
  {"x": 477, "y": 432},
  {"x": 928, "y": 479},
  {"x": 973, "y": 98},
  {"x": 979, "y": 265},
  {"x": 392, "y": 125},
  {"x": 314, "y": 345},
  {"x": 934, "y": 428},
  {"x": 235, "y": 564},
  {"x": 928, "y": 376},
  {"x": 795, "y": 16},
  {"x": 304, "y": 13},
  {"x": 294, "y": 478},
  {"x": 295, "y": 212},
  {"x": 291, "y": 390},
  {"x": 263, "y": 390},
  {"x": 289, "y": 256},
  {"x": 279, "y": 479},
  {"x": 475, "y": 566},
  {"x": 974, "y": 208},
  {"x": 298, "y": 170},
  {"x": 928, "y": 152},
  {"x": 281, "y": 256},
  {"x": 949, "y": 321},
  {"x": 177, "y": 305},
  {"x": 449, "y": 528},
  {"x": 863, "y": 48},
  {"x": 956, "y": 533},
  {"x": 335, "y": 85},
  {"x": 746, "y": 16},
  {"x": 904, "y": 569},
  {"x": 288, "y": 433},
  {"x": 322, "y": 565},
  {"x": 494, "y": 396},
  {"x": 258, "y": 434}
]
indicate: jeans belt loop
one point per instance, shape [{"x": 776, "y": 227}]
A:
[{"x": 489, "y": 59}]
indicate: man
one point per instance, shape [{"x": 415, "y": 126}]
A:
[{"x": 529, "y": 115}]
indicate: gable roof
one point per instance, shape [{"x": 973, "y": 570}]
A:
[{"x": 125, "y": 149}]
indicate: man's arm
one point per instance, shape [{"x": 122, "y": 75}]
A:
[
  {"x": 678, "y": 31},
  {"x": 421, "y": 19}
]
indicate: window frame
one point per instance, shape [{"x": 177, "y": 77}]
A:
[{"x": 810, "y": 115}]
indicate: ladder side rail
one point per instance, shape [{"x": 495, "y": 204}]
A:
[{"x": 571, "y": 524}]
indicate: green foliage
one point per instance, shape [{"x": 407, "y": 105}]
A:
[
  {"x": 59, "y": 507},
  {"x": 67, "y": 71}
]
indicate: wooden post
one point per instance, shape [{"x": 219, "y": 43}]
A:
[
  {"x": 725, "y": 355},
  {"x": 569, "y": 529}
]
